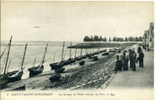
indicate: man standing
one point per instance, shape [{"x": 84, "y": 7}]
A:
[
  {"x": 118, "y": 65},
  {"x": 125, "y": 61},
  {"x": 130, "y": 58},
  {"x": 133, "y": 60},
  {"x": 141, "y": 57}
]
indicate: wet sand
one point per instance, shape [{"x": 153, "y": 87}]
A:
[{"x": 91, "y": 75}]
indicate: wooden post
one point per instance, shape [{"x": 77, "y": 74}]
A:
[
  {"x": 23, "y": 59},
  {"x": 44, "y": 55},
  {"x": 8, "y": 53},
  {"x": 62, "y": 53}
]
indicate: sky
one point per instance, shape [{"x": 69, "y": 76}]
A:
[{"x": 71, "y": 21}]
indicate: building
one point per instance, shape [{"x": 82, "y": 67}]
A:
[{"x": 149, "y": 36}]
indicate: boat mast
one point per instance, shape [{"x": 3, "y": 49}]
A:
[
  {"x": 86, "y": 51},
  {"x": 81, "y": 49},
  {"x": 44, "y": 55},
  {"x": 81, "y": 52},
  {"x": 75, "y": 53},
  {"x": 0, "y": 59},
  {"x": 24, "y": 56},
  {"x": 54, "y": 57},
  {"x": 62, "y": 54},
  {"x": 8, "y": 65},
  {"x": 8, "y": 53},
  {"x": 98, "y": 49},
  {"x": 2, "y": 53},
  {"x": 34, "y": 61},
  {"x": 70, "y": 51}
]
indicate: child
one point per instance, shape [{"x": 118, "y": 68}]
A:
[{"x": 118, "y": 66}]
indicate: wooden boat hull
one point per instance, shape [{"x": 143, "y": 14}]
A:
[
  {"x": 53, "y": 65},
  {"x": 94, "y": 58},
  {"x": 82, "y": 63},
  {"x": 16, "y": 77},
  {"x": 3, "y": 81},
  {"x": 56, "y": 66},
  {"x": 35, "y": 70},
  {"x": 20, "y": 88},
  {"x": 55, "y": 77},
  {"x": 105, "y": 54},
  {"x": 60, "y": 70},
  {"x": 10, "y": 73}
]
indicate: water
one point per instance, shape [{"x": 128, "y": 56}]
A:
[{"x": 35, "y": 50}]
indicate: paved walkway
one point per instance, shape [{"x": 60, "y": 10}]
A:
[{"x": 142, "y": 78}]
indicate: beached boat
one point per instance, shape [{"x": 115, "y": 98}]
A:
[
  {"x": 3, "y": 81},
  {"x": 4, "y": 76},
  {"x": 94, "y": 58},
  {"x": 58, "y": 66},
  {"x": 81, "y": 63},
  {"x": 14, "y": 75},
  {"x": 55, "y": 77},
  {"x": 105, "y": 54},
  {"x": 17, "y": 75},
  {"x": 33, "y": 71}
]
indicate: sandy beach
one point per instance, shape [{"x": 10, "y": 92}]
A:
[{"x": 92, "y": 75}]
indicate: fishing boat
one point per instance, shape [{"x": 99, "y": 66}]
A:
[
  {"x": 17, "y": 75},
  {"x": 58, "y": 66},
  {"x": 33, "y": 71},
  {"x": 81, "y": 63},
  {"x": 4, "y": 76},
  {"x": 55, "y": 77},
  {"x": 105, "y": 54},
  {"x": 94, "y": 58}
]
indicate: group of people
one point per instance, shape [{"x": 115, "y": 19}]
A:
[{"x": 128, "y": 59}]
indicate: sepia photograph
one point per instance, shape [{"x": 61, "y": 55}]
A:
[{"x": 76, "y": 45}]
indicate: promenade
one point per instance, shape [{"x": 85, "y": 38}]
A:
[
  {"x": 141, "y": 78},
  {"x": 130, "y": 85}
]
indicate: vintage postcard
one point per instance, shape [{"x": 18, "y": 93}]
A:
[{"x": 76, "y": 50}]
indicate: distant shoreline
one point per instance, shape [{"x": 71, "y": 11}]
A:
[
  {"x": 101, "y": 45},
  {"x": 77, "y": 45}
]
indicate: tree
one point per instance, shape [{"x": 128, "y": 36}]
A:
[
  {"x": 96, "y": 38},
  {"x": 86, "y": 38},
  {"x": 126, "y": 39},
  {"x": 114, "y": 38},
  {"x": 92, "y": 38},
  {"x": 109, "y": 39},
  {"x": 100, "y": 38}
]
